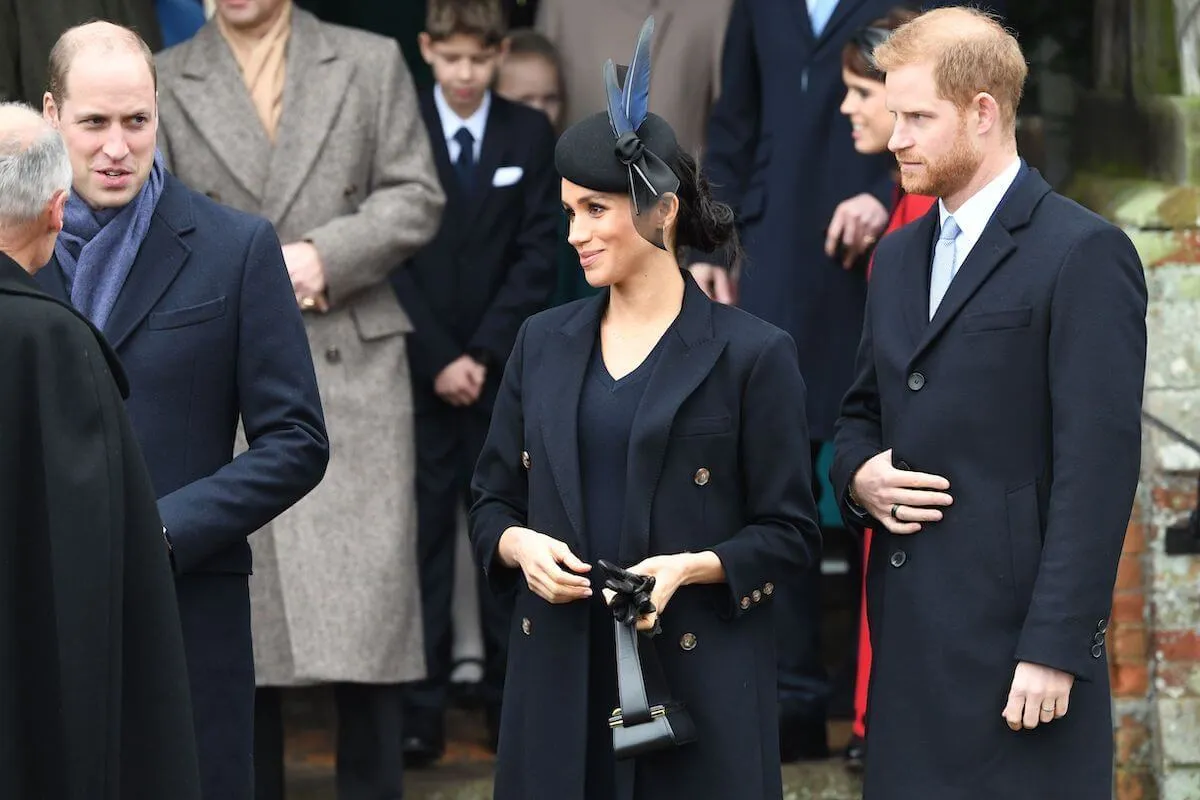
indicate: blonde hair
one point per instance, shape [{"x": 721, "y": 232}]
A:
[{"x": 971, "y": 53}]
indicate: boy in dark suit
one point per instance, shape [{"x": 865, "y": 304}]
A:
[{"x": 490, "y": 266}]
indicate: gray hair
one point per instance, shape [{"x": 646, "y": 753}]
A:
[{"x": 34, "y": 165}]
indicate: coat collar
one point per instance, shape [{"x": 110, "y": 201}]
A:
[
  {"x": 14, "y": 280},
  {"x": 162, "y": 254},
  {"x": 690, "y": 351},
  {"x": 213, "y": 95},
  {"x": 994, "y": 246}
]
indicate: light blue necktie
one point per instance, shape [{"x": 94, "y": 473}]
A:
[
  {"x": 819, "y": 12},
  {"x": 943, "y": 264}
]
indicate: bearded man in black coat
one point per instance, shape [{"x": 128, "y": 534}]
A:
[{"x": 94, "y": 696}]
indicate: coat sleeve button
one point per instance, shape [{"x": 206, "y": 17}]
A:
[
  {"x": 1102, "y": 626},
  {"x": 1097, "y": 650},
  {"x": 701, "y": 477},
  {"x": 768, "y": 588},
  {"x": 756, "y": 595},
  {"x": 745, "y": 603}
]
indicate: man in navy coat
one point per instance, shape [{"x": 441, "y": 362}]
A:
[
  {"x": 196, "y": 301},
  {"x": 809, "y": 206},
  {"x": 992, "y": 440}
]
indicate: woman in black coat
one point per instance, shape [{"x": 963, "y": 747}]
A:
[{"x": 653, "y": 428}]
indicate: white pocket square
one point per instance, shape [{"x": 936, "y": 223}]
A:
[{"x": 507, "y": 176}]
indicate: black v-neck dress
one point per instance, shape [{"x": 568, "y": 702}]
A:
[{"x": 607, "y": 409}]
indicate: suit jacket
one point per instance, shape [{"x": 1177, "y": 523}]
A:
[
  {"x": 95, "y": 693},
  {"x": 351, "y": 170},
  {"x": 1024, "y": 391},
  {"x": 718, "y": 460},
  {"x": 782, "y": 155},
  {"x": 491, "y": 264},
  {"x": 29, "y": 29},
  {"x": 686, "y": 55}
]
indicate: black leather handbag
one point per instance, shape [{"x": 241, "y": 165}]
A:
[{"x": 638, "y": 726}]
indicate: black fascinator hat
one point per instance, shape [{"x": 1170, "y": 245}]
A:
[{"x": 626, "y": 148}]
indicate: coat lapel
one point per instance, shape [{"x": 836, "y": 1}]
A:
[
  {"x": 314, "y": 88},
  {"x": 993, "y": 247},
  {"x": 686, "y": 360},
  {"x": 915, "y": 274},
  {"x": 566, "y": 359},
  {"x": 841, "y": 15},
  {"x": 455, "y": 199},
  {"x": 213, "y": 96},
  {"x": 798, "y": 11},
  {"x": 158, "y": 261}
]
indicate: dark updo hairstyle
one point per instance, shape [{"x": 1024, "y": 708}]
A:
[
  {"x": 703, "y": 224},
  {"x": 856, "y": 55}
]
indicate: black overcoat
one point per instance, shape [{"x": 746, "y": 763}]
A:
[
  {"x": 718, "y": 460},
  {"x": 1025, "y": 392},
  {"x": 94, "y": 698}
]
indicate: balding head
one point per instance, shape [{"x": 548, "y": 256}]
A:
[
  {"x": 100, "y": 37},
  {"x": 971, "y": 53},
  {"x": 35, "y": 178},
  {"x": 33, "y": 165}
]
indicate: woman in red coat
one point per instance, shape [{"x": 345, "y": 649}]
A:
[{"x": 871, "y": 123}]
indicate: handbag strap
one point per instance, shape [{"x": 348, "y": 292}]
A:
[{"x": 631, "y": 685}]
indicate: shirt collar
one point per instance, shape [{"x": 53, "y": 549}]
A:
[
  {"x": 451, "y": 121},
  {"x": 973, "y": 216}
]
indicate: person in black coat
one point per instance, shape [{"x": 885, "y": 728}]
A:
[
  {"x": 992, "y": 442},
  {"x": 195, "y": 299},
  {"x": 93, "y": 684},
  {"x": 652, "y": 428}
]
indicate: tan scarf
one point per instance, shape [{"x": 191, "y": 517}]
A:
[{"x": 263, "y": 62}]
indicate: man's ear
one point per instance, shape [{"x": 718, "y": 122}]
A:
[
  {"x": 56, "y": 211},
  {"x": 425, "y": 42},
  {"x": 50, "y": 109},
  {"x": 989, "y": 112}
]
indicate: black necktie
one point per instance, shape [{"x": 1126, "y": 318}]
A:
[{"x": 465, "y": 165}]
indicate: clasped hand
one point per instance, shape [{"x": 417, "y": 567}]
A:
[
  {"x": 900, "y": 499},
  {"x": 558, "y": 576}
]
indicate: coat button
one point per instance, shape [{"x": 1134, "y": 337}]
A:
[
  {"x": 525, "y": 460},
  {"x": 1097, "y": 650},
  {"x": 701, "y": 477},
  {"x": 333, "y": 355},
  {"x": 768, "y": 588},
  {"x": 916, "y": 381},
  {"x": 756, "y": 595},
  {"x": 745, "y": 603},
  {"x": 1102, "y": 626},
  {"x": 526, "y": 626},
  {"x": 1098, "y": 638},
  {"x": 349, "y": 190},
  {"x": 898, "y": 558},
  {"x": 688, "y": 641},
  {"x": 214, "y": 196}
]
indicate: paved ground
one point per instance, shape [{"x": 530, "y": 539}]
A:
[{"x": 464, "y": 773}]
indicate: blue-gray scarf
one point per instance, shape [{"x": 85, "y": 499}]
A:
[{"x": 96, "y": 249}]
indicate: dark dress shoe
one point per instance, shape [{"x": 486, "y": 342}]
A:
[
  {"x": 420, "y": 753},
  {"x": 802, "y": 740},
  {"x": 856, "y": 754}
]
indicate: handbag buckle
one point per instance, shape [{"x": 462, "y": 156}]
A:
[{"x": 616, "y": 720}]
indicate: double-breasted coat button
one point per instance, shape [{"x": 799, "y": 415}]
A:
[
  {"x": 525, "y": 460},
  {"x": 333, "y": 355},
  {"x": 916, "y": 381},
  {"x": 745, "y": 603},
  {"x": 1097, "y": 650},
  {"x": 349, "y": 190},
  {"x": 688, "y": 641},
  {"x": 898, "y": 558},
  {"x": 768, "y": 588},
  {"x": 526, "y": 626},
  {"x": 701, "y": 477},
  {"x": 756, "y": 595},
  {"x": 1102, "y": 626}
]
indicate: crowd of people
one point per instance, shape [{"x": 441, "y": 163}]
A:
[{"x": 377, "y": 371}]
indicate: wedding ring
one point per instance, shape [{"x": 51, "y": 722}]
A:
[
  {"x": 869, "y": 239},
  {"x": 308, "y": 303},
  {"x": 895, "y": 507},
  {"x": 1049, "y": 710}
]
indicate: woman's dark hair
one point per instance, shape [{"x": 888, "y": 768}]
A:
[
  {"x": 703, "y": 224},
  {"x": 857, "y": 54}
]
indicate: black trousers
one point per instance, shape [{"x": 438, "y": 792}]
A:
[
  {"x": 369, "y": 761},
  {"x": 803, "y": 683},
  {"x": 448, "y": 440}
]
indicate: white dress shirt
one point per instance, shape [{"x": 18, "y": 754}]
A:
[
  {"x": 451, "y": 122},
  {"x": 973, "y": 216}
]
